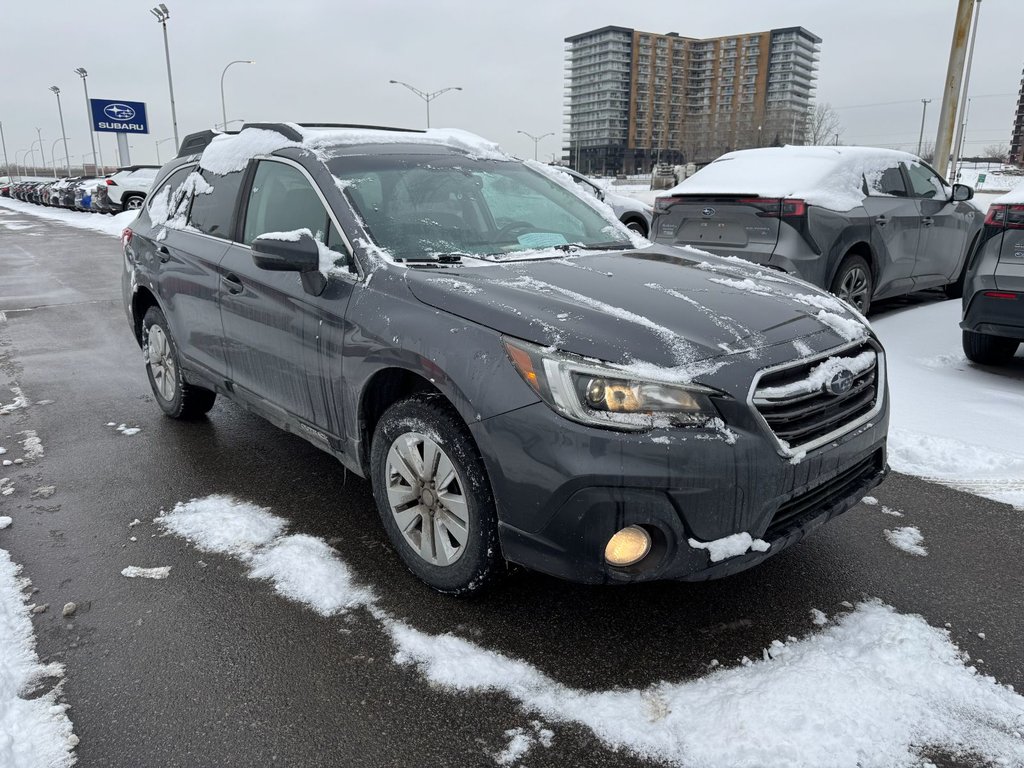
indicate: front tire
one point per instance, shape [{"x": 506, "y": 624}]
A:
[
  {"x": 989, "y": 350},
  {"x": 854, "y": 283},
  {"x": 176, "y": 397},
  {"x": 434, "y": 497},
  {"x": 637, "y": 225}
]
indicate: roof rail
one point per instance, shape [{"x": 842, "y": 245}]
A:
[
  {"x": 196, "y": 142},
  {"x": 365, "y": 127}
]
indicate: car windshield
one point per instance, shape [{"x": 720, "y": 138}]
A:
[{"x": 421, "y": 207}]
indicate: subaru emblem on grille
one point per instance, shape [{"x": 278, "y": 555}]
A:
[
  {"x": 840, "y": 384},
  {"x": 708, "y": 212}
]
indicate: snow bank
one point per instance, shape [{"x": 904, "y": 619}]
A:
[
  {"x": 875, "y": 688},
  {"x": 831, "y": 177},
  {"x": 97, "y": 222},
  {"x": 35, "y": 731}
]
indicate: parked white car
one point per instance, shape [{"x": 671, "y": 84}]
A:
[
  {"x": 632, "y": 213},
  {"x": 127, "y": 189}
]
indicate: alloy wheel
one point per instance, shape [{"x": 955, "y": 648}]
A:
[
  {"x": 854, "y": 288},
  {"x": 133, "y": 204},
  {"x": 427, "y": 499},
  {"x": 161, "y": 363}
]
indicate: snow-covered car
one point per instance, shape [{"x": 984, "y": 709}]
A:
[
  {"x": 634, "y": 214},
  {"x": 128, "y": 187},
  {"x": 864, "y": 223},
  {"x": 473, "y": 358},
  {"x": 993, "y": 302}
]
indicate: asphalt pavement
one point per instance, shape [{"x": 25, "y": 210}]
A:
[{"x": 211, "y": 668}]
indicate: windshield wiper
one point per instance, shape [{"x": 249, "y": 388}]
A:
[
  {"x": 437, "y": 260},
  {"x": 609, "y": 246}
]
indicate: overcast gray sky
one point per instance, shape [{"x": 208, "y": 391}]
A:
[{"x": 330, "y": 61}]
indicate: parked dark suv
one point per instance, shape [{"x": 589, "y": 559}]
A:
[
  {"x": 993, "y": 305},
  {"x": 521, "y": 378},
  {"x": 865, "y": 223}
]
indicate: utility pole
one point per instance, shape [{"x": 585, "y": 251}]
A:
[
  {"x": 951, "y": 89},
  {"x": 3, "y": 143},
  {"x": 924, "y": 111},
  {"x": 965, "y": 103}
]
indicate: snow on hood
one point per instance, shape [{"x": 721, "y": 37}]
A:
[{"x": 831, "y": 177}]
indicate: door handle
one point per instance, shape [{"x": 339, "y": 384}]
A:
[
  {"x": 165, "y": 255},
  {"x": 927, "y": 221},
  {"x": 232, "y": 282},
  {"x": 881, "y": 220}
]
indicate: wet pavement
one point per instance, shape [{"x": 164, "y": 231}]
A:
[{"x": 212, "y": 668}]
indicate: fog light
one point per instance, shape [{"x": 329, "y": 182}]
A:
[{"x": 628, "y": 546}]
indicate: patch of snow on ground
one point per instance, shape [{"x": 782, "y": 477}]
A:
[
  {"x": 5, "y": 522},
  {"x": 871, "y": 501},
  {"x": 222, "y": 524},
  {"x": 35, "y": 732},
  {"x": 107, "y": 225},
  {"x": 135, "y": 572},
  {"x": 19, "y": 402},
  {"x": 875, "y": 688},
  {"x": 522, "y": 740},
  {"x": 32, "y": 445},
  {"x": 908, "y": 539},
  {"x": 730, "y": 546}
]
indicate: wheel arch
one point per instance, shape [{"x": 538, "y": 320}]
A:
[
  {"x": 631, "y": 216},
  {"x": 142, "y": 300},
  {"x": 854, "y": 247}
]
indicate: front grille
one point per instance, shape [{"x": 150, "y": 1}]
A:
[
  {"x": 818, "y": 499},
  {"x": 798, "y": 408}
]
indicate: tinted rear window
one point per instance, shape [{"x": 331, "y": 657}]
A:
[{"x": 214, "y": 213}]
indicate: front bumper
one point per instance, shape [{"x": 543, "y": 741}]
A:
[{"x": 562, "y": 489}]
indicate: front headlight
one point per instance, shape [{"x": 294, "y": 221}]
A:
[{"x": 592, "y": 393}]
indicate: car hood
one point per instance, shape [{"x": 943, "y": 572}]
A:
[{"x": 669, "y": 307}]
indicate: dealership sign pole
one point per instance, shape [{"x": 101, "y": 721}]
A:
[{"x": 120, "y": 118}]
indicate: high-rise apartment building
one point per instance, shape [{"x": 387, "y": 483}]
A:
[
  {"x": 635, "y": 98},
  {"x": 1017, "y": 139}
]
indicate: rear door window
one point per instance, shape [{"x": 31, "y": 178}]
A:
[
  {"x": 163, "y": 203},
  {"x": 214, "y": 213},
  {"x": 887, "y": 182}
]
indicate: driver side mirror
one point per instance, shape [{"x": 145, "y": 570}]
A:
[
  {"x": 962, "y": 193},
  {"x": 286, "y": 251}
]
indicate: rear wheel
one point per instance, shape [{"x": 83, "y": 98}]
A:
[
  {"x": 989, "y": 350},
  {"x": 853, "y": 283},
  {"x": 637, "y": 225},
  {"x": 434, "y": 497},
  {"x": 132, "y": 202},
  {"x": 176, "y": 397}
]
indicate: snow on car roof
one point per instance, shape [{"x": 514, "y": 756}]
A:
[
  {"x": 230, "y": 152},
  {"x": 1014, "y": 197},
  {"x": 831, "y": 177}
]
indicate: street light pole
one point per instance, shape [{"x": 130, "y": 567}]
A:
[
  {"x": 67, "y": 157},
  {"x": 88, "y": 116},
  {"x": 924, "y": 111},
  {"x": 3, "y": 143},
  {"x": 158, "y": 143},
  {"x": 53, "y": 156},
  {"x": 42, "y": 157},
  {"x": 536, "y": 140},
  {"x": 162, "y": 15},
  {"x": 427, "y": 97},
  {"x": 223, "y": 108}
]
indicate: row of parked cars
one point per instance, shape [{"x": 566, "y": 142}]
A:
[{"x": 123, "y": 190}]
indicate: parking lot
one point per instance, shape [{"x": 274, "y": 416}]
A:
[{"x": 211, "y": 666}]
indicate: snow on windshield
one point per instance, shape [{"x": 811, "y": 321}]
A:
[{"x": 831, "y": 177}]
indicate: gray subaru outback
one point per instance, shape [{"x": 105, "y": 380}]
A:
[{"x": 521, "y": 378}]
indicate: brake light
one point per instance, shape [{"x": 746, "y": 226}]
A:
[
  {"x": 773, "y": 207},
  {"x": 111, "y": 183},
  {"x": 126, "y": 237},
  {"x": 1005, "y": 216},
  {"x": 662, "y": 204}
]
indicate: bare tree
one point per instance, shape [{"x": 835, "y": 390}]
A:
[
  {"x": 928, "y": 151},
  {"x": 1000, "y": 152},
  {"x": 823, "y": 125}
]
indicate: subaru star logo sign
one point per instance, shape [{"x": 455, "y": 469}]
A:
[
  {"x": 840, "y": 384},
  {"x": 122, "y": 113},
  {"x": 708, "y": 212},
  {"x": 118, "y": 116}
]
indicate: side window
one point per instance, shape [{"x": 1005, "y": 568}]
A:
[
  {"x": 281, "y": 199},
  {"x": 160, "y": 202},
  {"x": 888, "y": 183},
  {"x": 924, "y": 182},
  {"x": 214, "y": 213}
]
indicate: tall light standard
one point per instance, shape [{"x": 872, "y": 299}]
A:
[
  {"x": 56, "y": 92},
  {"x": 162, "y": 15},
  {"x": 38, "y": 141},
  {"x": 22, "y": 162},
  {"x": 158, "y": 143},
  {"x": 88, "y": 116},
  {"x": 223, "y": 108},
  {"x": 924, "y": 111},
  {"x": 427, "y": 97},
  {"x": 3, "y": 143},
  {"x": 536, "y": 140},
  {"x": 53, "y": 157}
]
